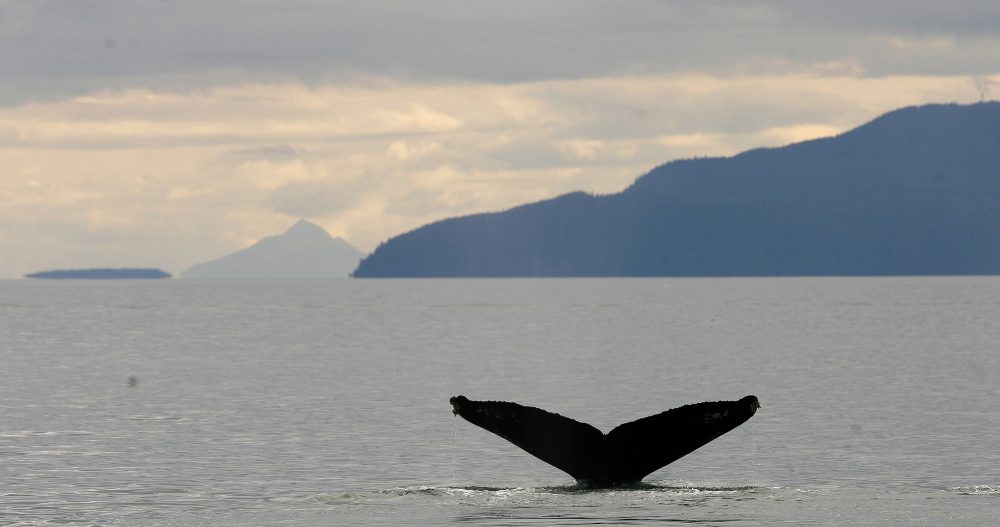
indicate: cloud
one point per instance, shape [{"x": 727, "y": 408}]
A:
[
  {"x": 56, "y": 50},
  {"x": 166, "y": 133},
  {"x": 271, "y": 152},
  {"x": 315, "y": 199},
  {"x": 137, "y": 177}
]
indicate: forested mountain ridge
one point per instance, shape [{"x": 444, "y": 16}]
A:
[{"x": 913, "y": 192}]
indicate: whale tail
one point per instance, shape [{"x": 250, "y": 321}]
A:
[{"x": 624, "y": 455}]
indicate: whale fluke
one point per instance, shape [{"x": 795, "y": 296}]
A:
[{"x": 624, "y": 455}]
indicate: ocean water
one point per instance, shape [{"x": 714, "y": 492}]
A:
[{"x": 326, "y": 402}]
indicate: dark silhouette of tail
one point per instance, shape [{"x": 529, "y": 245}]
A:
[{"x": 624, "y": 455}]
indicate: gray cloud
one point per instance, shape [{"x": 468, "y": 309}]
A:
[
  {"x": 913, "y": 17},
  {"x": 51, "y": 49}
]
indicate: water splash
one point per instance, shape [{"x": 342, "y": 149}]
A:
[{"x": 977, "y": 490}]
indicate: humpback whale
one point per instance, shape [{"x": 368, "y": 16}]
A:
[{"x": 624, "y": 455}]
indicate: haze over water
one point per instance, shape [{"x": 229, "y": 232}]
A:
[{"x": 326, "y": 402}]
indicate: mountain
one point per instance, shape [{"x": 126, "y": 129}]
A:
[
  {"x": 913, "y": 192},
  {"x": 303, "y": 251}
]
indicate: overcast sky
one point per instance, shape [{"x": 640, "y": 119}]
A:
[{"x": 165, "y": 133}]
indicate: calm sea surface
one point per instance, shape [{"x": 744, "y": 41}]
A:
[{"x": 326, "y": 402}]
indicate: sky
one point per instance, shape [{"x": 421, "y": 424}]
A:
[{"x": 165, "y": 133}]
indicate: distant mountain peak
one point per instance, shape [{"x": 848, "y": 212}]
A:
[
  {"x": 301, "y": 223},
  {"x": 307, "y": 230},
  {"x": 305, "y": 250}
]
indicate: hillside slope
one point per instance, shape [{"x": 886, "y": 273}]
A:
[{"x": 913, "y": 192}]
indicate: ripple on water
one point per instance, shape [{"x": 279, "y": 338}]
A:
[
  {"x": 21, "y": 434},
  {"x": 572, "y": 504},
  {"x": 151, "y": 417},
  {"x": 977, "y": 490},
  {"x": 478, "y": 494}
]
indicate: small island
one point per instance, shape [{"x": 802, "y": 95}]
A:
[{"x": 100, "y": 274}]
